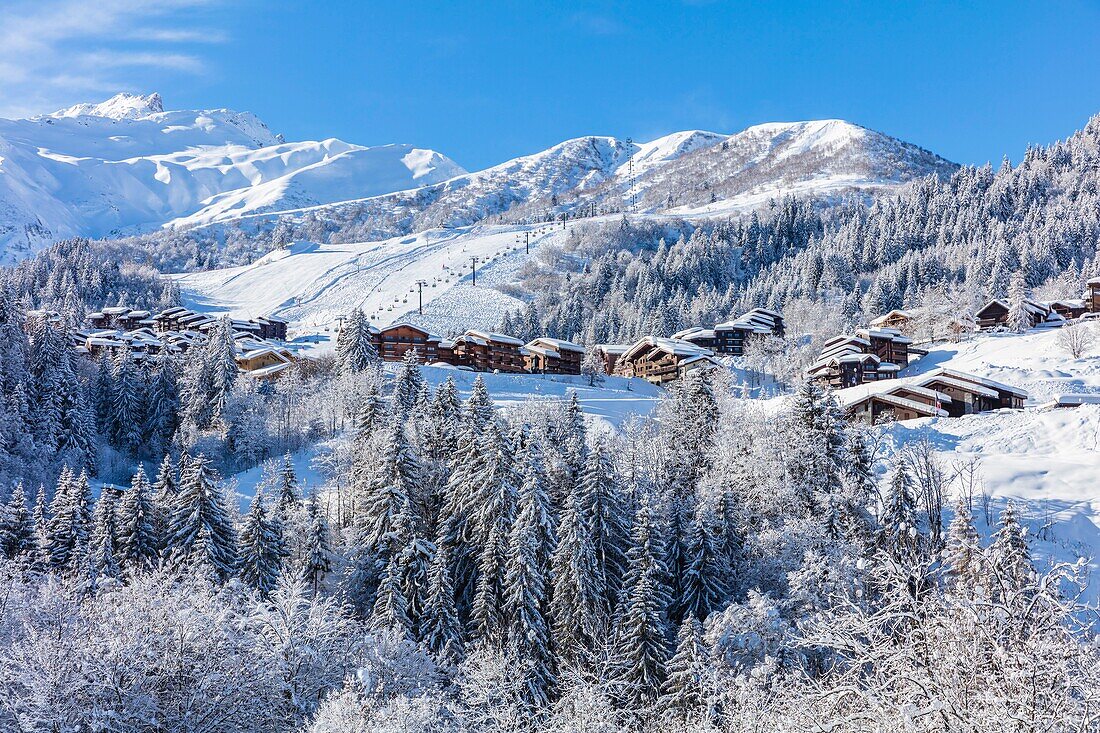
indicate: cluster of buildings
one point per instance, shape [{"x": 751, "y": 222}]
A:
[
  {"x": 257, "y": 343},
  {"x": 658, "y": 360}
]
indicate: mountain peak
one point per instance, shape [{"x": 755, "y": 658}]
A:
[{"x": 122, "y": 106}]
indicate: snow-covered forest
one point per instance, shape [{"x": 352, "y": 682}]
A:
[{"x": 720, "y": 567}]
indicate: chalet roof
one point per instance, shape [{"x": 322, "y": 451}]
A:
[
  {"x": 892, "y": 314},
  {"x": 267, "y": 371},
  {"x": 1072, "y": 400},
  {"x": 1032, "y": 306},
  {"x": 138, "y": 314},
  {"x": 891, "y": 334},
  {"x": 676, "y": 347},
  {"x": 499, "y": 338},
  {"x": 695, "y": 332},
  {"x": 960, "y": 385},
  {"x": 543, "y": 350},
  {"x": 892, "y": 391},
  {"x": 964, "y": 376},
  {"x": 1093, "y": 281},
  {"x": 271, "y": 319},
  {"x": 614, "y": 349},
  {"x": 559, "y": 344},
  {"x": 428, "y": 335},
  {"x": 116, "y": 310},
  {"x": 758, "y": 320},
  {"x": 170, "y": 312}
]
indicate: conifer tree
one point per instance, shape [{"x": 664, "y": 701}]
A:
[
  {"x": 682, "y": 692},
  {"x": 17, "y": 536},
  {"x": 407, "y": 383},
  {"x": 1009, "y": 556},
  {"x": 962, "y": 554},
  {"x": 527, "y": 586},
  {"x": 200, "y": 534},
  {"x": 899, "y": 534},
  {"x": 286, "y": 499},
  {"x": 705, "y": 584},
  {"x": 390, "y": 610},
  {"x": 70, "y": 523},
  {"x": 1019, "y": 317},
  {"x": 440, "y": 627},
  {"x": 610, "y": 524},
  {"x": 318, "y": 560},
  {"x": 103, "y": 561},
  {"x": 138, "y": 542},
  {"x": 164, "y": 491},
  {"x": 126, "y": 418},
  {"x": 641, "y": 646},
  {"x": 41, "y": 529},
  {"x": 261, "y": 552}
]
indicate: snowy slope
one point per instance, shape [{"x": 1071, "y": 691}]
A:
[
  {"x": 311, "y": 285},
  {"x": 126, "y": 164},
  {"x": 1047, "y": 461}
]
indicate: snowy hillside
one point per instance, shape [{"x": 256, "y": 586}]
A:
[
  {"x": 1045, "y": 460},
  {"x": 311, "y": 285},
  {"x": 125, "y": 165}
]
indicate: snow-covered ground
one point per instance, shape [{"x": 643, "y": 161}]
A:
[
  {"x": 312, "y": 285},
  {"x": 1045, "y": 460}
]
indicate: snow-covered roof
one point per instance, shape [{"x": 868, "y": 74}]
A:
[
  {"x": 891, "y": 334},
  {"x": 614, "y": 349},
  {"x": 1093, "y": 281},
  {"x": 888, "y": 316},
  {"x": 268, "y": 371},
  {"x": 1072, "y": 400},
  {"x": 1000, "y": 386},
  {"x": 695, "y": 332},
  {"x": 676, "y": 347},
  {"x": 892, "y": 391},
  {"x": 759, "y": 320},
  {"x": 559, "y": 344},
  {"x": 499, "y": 338},
  {"x": 428, "y": 335}
]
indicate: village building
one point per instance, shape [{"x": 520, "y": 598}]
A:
[
  {"x": 484, "y": 351},
  {"x": 611, "y": 354},
  {"x": 663, "y": 360},
  {"x": 994, "y": 314},
  {"x": 1092, "y": 295},
  {"x": 393, "y": 341},
  {"x": 261, "y": 360},
  {"x": 870, "y": 355},
  {"x": 1069, "y": 309},
  {"x": 731, "y": 337},
  {"x": 940, "y": 393},
  {"x": 897, "y": 319},
  {"x": 553, "y": 356}
]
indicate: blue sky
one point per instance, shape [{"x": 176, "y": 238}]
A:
[{"x": 486, "y": 81}]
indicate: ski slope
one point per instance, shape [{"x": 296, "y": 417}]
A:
[{"x": 313, "y": 285}]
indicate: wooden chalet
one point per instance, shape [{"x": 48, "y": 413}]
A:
[
  {"x": 705, "y": 338},
  {"x": 662, "y": 360},
  {"x": 553, "y": 356},
  {"x": 393, "y": 341},
  {"x": 611, "y": 354},
  {"x": 264, "y": 361},
  {"x": 1092, "y": 295},
  {"x": 272, "y": 327},
  {"x": 850, "y": 360},
  {"x": 484, "y": 351},
  {"x": 994, "y": 314},
  {"x": 896, "y": 319},
  {"x": 730, "y": 337},
  {"x": 1070, "y": 310},
  {"x": 888, "y": 344},
  {"x": 940, "y": 393}
]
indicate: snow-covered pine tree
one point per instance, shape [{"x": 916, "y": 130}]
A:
[
  {"x": 641, "y": 650},
  {"x": 138, "y": 542},
  {"x": 70, "y": 523},
  {"x": 704, "y": 587},
  {"x": 261, "y": 551},
  {"x": 163, "y": 407},
  {"x": 200, "y": 534},
  {"x": 164, "y": 491},
  {"x": 390, "y": 611},
  {"x": 682, "y": 695},
  {"x": 126, "y": 419},
  {"x": 440, "y": 627},
  {"x": 527, "y": 584},
  {"x": 593, "y": 366},
  {"x": 1009, "y": 558},
  {"x": 407, "y": 383},
  {"x": 286, "y": 488},
  {"x": 962, "y": 554},
  {"x": 610, "y": 520},
  {"x": 103, "y": 560},
  {"x": 42, "y": 555},
  {"x": 1019, "y": 317},
  {"x": 318, "y": 559},
  {"x": 17, "y": 537},
  {"x": 899, "y": 534}
]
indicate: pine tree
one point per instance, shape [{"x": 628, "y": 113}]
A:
[
  {"x": 1019, "y": 317},
  {"x": 18, "y": 533},
  {"x": 103, "y": 562},
  {"x": 318, "y": 560},
  {"x": 962, "y": 554},
  {"x": 200, "y": 534},
  {"x": 70, "y": 523},
  {"x": 41, "y": 530},
  {"x": 162, "y": 415},
  {"x": 1009, "y": 556},
  {"x": 287, "y": 497},
  {"x": 125, "y": 421},
  {"x": 164, "y": 491},
  {"x": 138, "y": 541},
  {"x": 705, "y": 584},
  {"x": 899, "y": 534},
  {"x": 390, "y": 610},
  {"x": 682, "y": 692},
  {"x": 407, "y": 383},
  {"x": 440, "y": 627},
  {"x": 261, "y": 552},
  {"x": 530, "y": 543},
  {"x": 610, "y": 524},
  {"x": 641, "y": 646}
]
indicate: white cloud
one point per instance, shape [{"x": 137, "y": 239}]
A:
[{"x": 54, "y": 53}]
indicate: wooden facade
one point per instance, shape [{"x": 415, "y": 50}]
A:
[
  {"x": 940, "y": 393},
  {"x": 393, "y": 341},
  {"x": 611, "y": 354},
  {"x": 870, "y": 355},
  {"x": 994, "y": 314},
  {"x": 484, "y": 351},
  {"x": 553, "y": 356},
  {"x": 1092, "y": 295},
  {"x": 661, "y": 360}
]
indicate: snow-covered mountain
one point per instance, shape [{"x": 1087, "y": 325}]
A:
[
  {"x": 126, "y": 165},
  {"x": 691, "y": 173}
]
